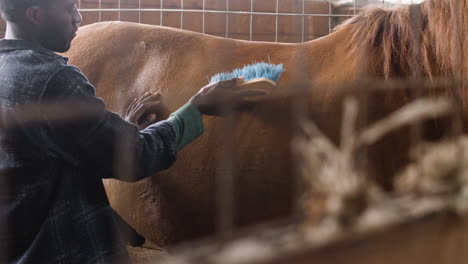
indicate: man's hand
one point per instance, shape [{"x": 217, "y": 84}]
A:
[
  {"x": 142, "y": 111},
  {"x": 223, "y": 97}
]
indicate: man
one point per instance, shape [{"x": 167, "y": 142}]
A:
[{"x": 57, "y": 141}]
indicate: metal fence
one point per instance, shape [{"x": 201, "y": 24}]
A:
[
  {"x": 264, "y": 20},
  {"x": 260, "y": 20}
]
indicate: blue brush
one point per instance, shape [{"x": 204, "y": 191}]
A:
[
  {"x": 250, "y": 72},
  {"x": 258, "y": 75}
]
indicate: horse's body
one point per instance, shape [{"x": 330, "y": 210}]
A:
[{"x": 124, "y": 60}]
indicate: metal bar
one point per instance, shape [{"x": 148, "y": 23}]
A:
[
  {"x": 302, "y": 20},
  {"x": 203, "y": 16},
  {"x": 181, "y": 14},
  {"x": 355, "y": 8},
  {"x": 100, "y": 12},
  {"x": 139, "y": 12},
  {"x": 213, "y": 11},
  {"x": 161, "y": 15},
  {"x": 277, "y": 18},
  {"x": 251, "y": 21},
  {"x": 329, "y": 16},
  {"x": 120, "y": 10},
  {"x": 227, "y": 18}
]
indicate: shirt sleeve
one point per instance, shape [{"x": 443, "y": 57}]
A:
[
  {"x": 100, "y": 140},
  {"x": 188, "y": 125}
]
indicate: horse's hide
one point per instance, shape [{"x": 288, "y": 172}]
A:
[{"x": 124, "y": 60}]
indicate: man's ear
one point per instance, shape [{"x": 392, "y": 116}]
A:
[{"x": 35, "y": 15}]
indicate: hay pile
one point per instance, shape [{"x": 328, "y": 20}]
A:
[{"x": 343, "y": 200}]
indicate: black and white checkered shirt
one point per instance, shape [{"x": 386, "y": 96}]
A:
[{"x": 57, "y": 142}]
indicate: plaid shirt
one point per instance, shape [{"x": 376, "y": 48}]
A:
[{"x": 53, "y": 207}]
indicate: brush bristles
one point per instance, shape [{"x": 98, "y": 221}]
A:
[{"x": 249, "y": 72}]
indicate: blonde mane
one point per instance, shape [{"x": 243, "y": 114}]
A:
[{"x": 424, "y": 40}]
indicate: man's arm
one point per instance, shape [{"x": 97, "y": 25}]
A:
[
  {"x": 107, "y": 143},
  {"x": 103, "y": 141}
]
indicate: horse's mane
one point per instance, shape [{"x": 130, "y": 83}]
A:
[{"x": 424, "y": 40}]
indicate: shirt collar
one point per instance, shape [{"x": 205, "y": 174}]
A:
[{"x": 19, "y": 44}]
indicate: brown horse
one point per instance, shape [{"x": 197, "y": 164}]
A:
[{"x": 123, "y": 60}]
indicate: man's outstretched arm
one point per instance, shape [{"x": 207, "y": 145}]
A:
[{"x": 110, "y": 145}]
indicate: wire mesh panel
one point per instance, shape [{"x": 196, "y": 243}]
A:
[{"x": 259, "y": 20}]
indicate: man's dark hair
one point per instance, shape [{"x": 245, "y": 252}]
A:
[{"x": 12, "y": 10}]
